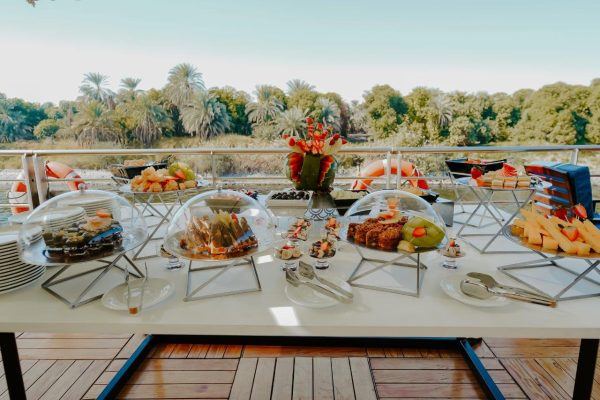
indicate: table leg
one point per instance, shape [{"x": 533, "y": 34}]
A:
[
  {"x": 586, "y": 366},
  {"x": 12, "y": 366},
  {"x": 485, "y": 380}
]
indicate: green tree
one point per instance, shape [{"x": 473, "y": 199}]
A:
[
  {"x": 95, "y": 123},
  {"x": 46, "y": 128},
  {"x": 18, "y": 119},
  {"x": 298, "y": 85},
  {"x": 304, "y": 99},
  {"x": 149, "y": 119},
  {"x": 386, "y": 109},
  {"x": 205, "y": 117},
  {"x": 94, "y": 87},
  {"x": 184, "y": 82},
  {"x": 291, "y": 122},
  {"x": 344, "y": 111},
  {"x": 236, "y": 102},
  {"x": 129, "y": 89},
  {"x": 328, "y": 112},
  {"x": 267, "y": 107}
]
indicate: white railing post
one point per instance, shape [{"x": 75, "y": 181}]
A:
[
  {"x": 388, "y": 169},
  {"x": 575, "y": 156},
  {"x": 398, "y": 169},
  {"x": 29, "y": 177},
  {"x": 213, "y": 168},
  {"x": 41, "y": 180}
]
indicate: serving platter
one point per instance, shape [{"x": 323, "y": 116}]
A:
[
  {"x": 467, "y": 181},
  {"x": 506, "y": 232},
  {"x": 201, "y": 183}
]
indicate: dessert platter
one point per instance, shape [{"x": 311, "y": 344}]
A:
[
  {"x": 397, "y": 227},
  {"x": 70, "y": 238},
  {"x": 555, "y": 238},
  {"x": 506, "y": 178},
  {"x": 219, "y": 229},
  {"x": 178, "y": 176}
]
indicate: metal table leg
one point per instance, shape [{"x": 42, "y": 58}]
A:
[
  {"x": 12, "y": 366},
  {"x": 586, "y": 366},
  {"x": 163, "y": 220}
]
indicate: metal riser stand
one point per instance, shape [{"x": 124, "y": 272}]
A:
[
  {"x": 191, "y": 293},
  {"x": 416, "y": 265},
  {"x": 108, "y": 266},
  {"x": 552, "y": 261}
]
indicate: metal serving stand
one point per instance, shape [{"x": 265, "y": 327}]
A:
[
  {"x": 151, "y": 201},
  {"x": 487, "y": 198},
  {"x": 36, "y": 254},
  {"x": 551, "y": 259}
]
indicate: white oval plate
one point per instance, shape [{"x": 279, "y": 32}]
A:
[
  {"x": 305, "y": 296},
  {"x": 156, "y": 291},
  {"x": 451, "y": 286}
]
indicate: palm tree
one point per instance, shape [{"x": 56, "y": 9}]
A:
[
  {"x": 267, "y": 107},
  {"x": 93, "y": 87},
  {"x": 184, "y": 82},
  {"x": 329, "y": 112},
  {"x": 129, "y": 89},
  {"x": 94, "y": 123},
  {"x": 205, "y": 116},
  {"x": 149, "y": 119},
  {"x": 443, "y": 109},
  {"x": 291, "y": 122},
  {"x": 296, "y": 85}
]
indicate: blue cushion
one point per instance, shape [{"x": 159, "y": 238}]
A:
[{"x": 581, "y": 184}]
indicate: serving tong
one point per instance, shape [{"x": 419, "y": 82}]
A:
[
  {"x": 332, "y": 290},
  {"x": 133, "y": 309},
  {"x": 483, "y": 286}
]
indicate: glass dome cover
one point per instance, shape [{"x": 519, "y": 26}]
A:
[
  {"x": 80, "y": 226},
  {"x": 406, "y": 217},
  {"x": 220, "y": 224}
]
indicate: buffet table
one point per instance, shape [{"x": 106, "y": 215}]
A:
[{"x": 269, "y": 316}]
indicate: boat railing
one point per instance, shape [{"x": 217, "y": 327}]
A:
[{"x": 34, "y": 177}]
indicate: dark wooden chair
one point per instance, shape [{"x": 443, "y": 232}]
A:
[{"x": 569, "y": 185}]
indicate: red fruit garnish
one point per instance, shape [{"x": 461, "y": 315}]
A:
[
  {"x": 103, "y": 214},
  {"x": 571, "y": 233},
  {"x": 285, "y": 136},
  {"x": 336, "y": 136},
  {"x": 580, "y": 211},
  {"x": 320, "y": 126},
  {"x": 476, "y": 172},
  {"x": 344, "y": 141},
  {"x": 452, "y": 243},
  {"x": 509, "y": 170},
  {"x": 309, "y": 120},
  {"x": 561, "y": 212},
  {"x": 419, "y": 232},
  {"x": 179, "y": 173},
  {"x": 324, "y": 246}
]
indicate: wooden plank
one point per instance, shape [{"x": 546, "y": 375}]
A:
[
  {"x": 68, "y": 354},
  {"x": 482, "y": 350},
  {"x": 159, "y": 377},
  {"x": 85, "y": 381},
  {"x": 263, "y": 379},
  {"x": 322, "y": 378},
  {"x": 115, "y": 365},
  {"x": 375, "y": 352},
  {"x": 303, "y": 379},
  {"x": 66, "y": 380},
  {"x": 216, "y": 351},
  {"x": 393, "y": 352},
  {"x": 430, "y": 353},
  {"x": 534, "y": 380},
  {"x": 162, "y": 350},
  {"x": 282, "y": 382},
  {"x": 558, "y": 373},
  {"x": 510, "y": 342},
  {"x": 418, "y": 363},
  {"x": 302, "y": 351},
  {"x": 49, "y": 377},
  {"x": 181, "y": 350},
  {"x": 342, "y": 379},
  {"x": 26, "y": 365},
  {"x": 570, "y": 366},
  {"x": 512, "y": 391},
  {"x": 362, "y": 379},
  {"x": 131, "y": 346},
  {"x": 244, "y": 378},
  {"x": 176, "y": 391},
  {"x": 430, "y": 390},
  {"x": 435, "y": 376},
  {"x": 233, "y": 351},
  {"x": 178, "y": 364},
  {"x": 198, "y": 351},
  {"x": 537, "y": 352},
  {"x": 411, "y": 353},
  {"x": 70, "y": 343}
]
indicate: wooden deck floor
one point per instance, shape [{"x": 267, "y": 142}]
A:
[{"x": 78, "y": 366}]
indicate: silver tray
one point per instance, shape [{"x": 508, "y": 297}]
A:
[
  {"x": 508, "y": 234},
  {"x": 419, "y": 250},
  {"x": 172, "y": 246},
  {"x": 36, "y": 253}
]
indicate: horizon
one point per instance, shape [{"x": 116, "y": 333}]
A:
[{"x": 463, "y": 45}]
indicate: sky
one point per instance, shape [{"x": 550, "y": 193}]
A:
[{"x": 345, "y": 46}]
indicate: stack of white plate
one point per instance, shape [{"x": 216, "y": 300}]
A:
[
  {"x": 92, "y": 203},
  {"x": 56, "y": 218},
  {"x": 14, "y": 273}
]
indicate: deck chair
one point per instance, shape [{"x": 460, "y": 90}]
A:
[{"x": 570, "y": 184}]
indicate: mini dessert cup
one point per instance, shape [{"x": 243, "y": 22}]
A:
[{"x": 289, "y": 252}]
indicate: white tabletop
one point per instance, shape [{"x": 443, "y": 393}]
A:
[{"x": 270, "y": 312}]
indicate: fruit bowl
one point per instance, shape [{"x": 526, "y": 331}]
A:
[{"x": 394, "y": 221}]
